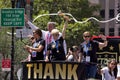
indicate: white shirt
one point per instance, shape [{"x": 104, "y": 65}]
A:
[
  {"x": 118, "y": 69},
  {"x": 106, "y": 75}
]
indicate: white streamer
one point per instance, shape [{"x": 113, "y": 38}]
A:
[
  {"x": 91, "y": 18},
  {"x": 118, "y": 17},
  {"x": 44, "y": 15}
]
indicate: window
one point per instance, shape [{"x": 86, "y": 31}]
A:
[
  {"x": 111, "y": 13},
  {"x": 119, "y": 31},
  {"x": 102, "y": 13},
  {"x": 102, "y": 30},
  {"x": 111, "y": 31}
]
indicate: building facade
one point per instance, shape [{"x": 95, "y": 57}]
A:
[{"x": 109, "y": 9}]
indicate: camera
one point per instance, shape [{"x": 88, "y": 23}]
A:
[{"x": 74, "y": 48}]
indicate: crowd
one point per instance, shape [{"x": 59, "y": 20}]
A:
[{"x": 51, "y": 46}]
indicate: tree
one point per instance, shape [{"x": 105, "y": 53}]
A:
[
  {"x": 80, "y": 9},
  {"x": 5, "y": 44}
]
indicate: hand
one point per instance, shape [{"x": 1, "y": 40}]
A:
[
  {"x": 60, "y": 13},
  {"x": 69, "y": 52},
  {"x": 26, "y": 18},
  {"x": 46, "y": 60},
  {"x": 103, "y": 37},
  {"x": 27, "y": 47},
  {"x": 66, "y": 18}
]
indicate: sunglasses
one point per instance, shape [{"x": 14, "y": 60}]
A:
[
  {"x": 86, "y": 36},
  {"x": 32, "y": 38},
  {"x": 33, "y": 32}
]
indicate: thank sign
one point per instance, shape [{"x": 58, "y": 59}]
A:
[
  {"x": 53, "y": 71},
  {"x": 12, "y": 17}
]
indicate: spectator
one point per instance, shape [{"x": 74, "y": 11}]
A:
[
  {"x": 37, "y": 49},
  {"x": 88, "y": 53},
  {"x": 73, "y": 54},
  {"x": 109, "y": 72},
  {"x": 31, "y": 41}
]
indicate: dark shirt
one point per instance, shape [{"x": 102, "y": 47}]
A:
[
  {"x": 57, "y": 50},
  {"x": 92, "y": 47},
  {"x": 38, "y": 55}
]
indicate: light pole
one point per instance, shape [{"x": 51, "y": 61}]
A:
[{"x": 12, "y": 48}]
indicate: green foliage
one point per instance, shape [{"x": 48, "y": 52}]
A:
[
  {"x": 78, "y": 8},
  {"x": 4, "y": 43},
  {"x": 5, "y": 47},
  {"x": 5, "y": 4},
  {"x": 75, "y": 31},
  {"x": 42, "y": 21},
  {"x": 20, "y": 53}
]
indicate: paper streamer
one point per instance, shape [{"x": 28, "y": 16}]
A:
[{"x": 91, "y": 18}]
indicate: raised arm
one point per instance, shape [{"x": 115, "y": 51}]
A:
[
  {"x": 103, "y": 44},
  {"x": 65, "y": 26},
  {"x": 38, "y": 49},
  {"x": 31, "y": 25}
]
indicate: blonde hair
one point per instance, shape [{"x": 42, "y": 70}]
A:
[
  {"x": 55, "y": 31},
  {"x": 53, "y": 24},
  {"x": 86, "y": 32}
]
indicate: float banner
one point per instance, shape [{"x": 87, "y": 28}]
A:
[
  {"x": 111, "y": 51},
  {"x": 53, "y": 71}
]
